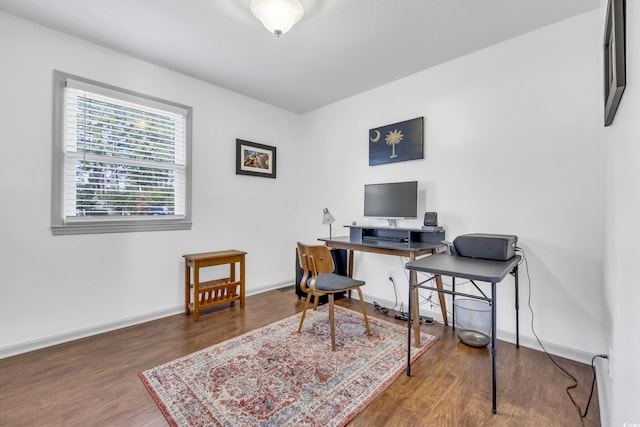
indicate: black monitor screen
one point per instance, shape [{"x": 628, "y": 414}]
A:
[{"x": 391, "y": 200}]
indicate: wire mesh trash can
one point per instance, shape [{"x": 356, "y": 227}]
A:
[{"x": 473, "y": 321}]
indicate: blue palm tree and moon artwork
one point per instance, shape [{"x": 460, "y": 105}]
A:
[{"x": 397, "y": 142}]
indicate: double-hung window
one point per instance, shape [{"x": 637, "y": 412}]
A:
[{"x": 120, "y": 160}]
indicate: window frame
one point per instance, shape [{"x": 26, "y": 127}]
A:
[{"x": 59, "y": 226}]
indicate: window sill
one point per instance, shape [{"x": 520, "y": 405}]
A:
[{"x": 120, "y": 227}]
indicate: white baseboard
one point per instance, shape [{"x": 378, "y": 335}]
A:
[
  {"x": 49, "y": 341},
  {"x": 52, "y": 340},
  {"x": 604, "y": 390},
  {"x": 525, "y": 341},
  {"x": 271, "y": 287},
  {"x": 27, "y": 346}
]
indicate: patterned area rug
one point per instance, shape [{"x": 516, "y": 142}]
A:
[{"x": 275, "y": 376}]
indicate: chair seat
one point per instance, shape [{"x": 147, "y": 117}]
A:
[{"x": 331, "y": 282}]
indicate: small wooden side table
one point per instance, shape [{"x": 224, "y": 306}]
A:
[{"x": 212, "y": 292}]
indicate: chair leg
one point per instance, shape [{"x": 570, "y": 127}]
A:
[
  {"x": 364, "y": 311},
  {"x": 332, "y": 324},
  {"x": 304, "y": 312}
]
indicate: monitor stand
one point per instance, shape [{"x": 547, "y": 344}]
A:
[{"x": 392, "y": 222}]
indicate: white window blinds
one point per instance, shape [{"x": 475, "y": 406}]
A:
[{"x": 124, "y": 156}]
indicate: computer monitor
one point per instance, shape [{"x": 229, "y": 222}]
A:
[{"x": 391, "y": 200}]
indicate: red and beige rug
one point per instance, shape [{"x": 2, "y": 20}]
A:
[{"x": 275, "y": 376}]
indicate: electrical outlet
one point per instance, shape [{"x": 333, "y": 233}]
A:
[{"x": 610, "y": 360}]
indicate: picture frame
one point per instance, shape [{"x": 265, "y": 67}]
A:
[
  {"x": 614, "y": 58},
  {"x": 397, "y": 142},
  {"x": 255, "y": 159}
]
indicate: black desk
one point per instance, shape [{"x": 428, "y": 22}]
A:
[
  {"x": 419, "y": 243},
  {"x": 467, "y": 268}
]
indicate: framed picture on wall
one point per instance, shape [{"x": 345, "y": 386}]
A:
[
  {"x": 397, "y": 142},
  {"x": 614, "y": 58},
  {"x": 255, "y": 159}
]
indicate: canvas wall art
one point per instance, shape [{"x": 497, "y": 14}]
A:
[{"x": 397, "y": 142}]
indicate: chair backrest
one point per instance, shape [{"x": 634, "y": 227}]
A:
[{"x": 314, "y": 260}]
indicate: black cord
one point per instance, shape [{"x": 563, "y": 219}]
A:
[
  {"x": 380, "y": 308},
  {"x": 385, "y": 310},
  {"x": 395, "y": 292},
  {"x": 575, "y": 381}
]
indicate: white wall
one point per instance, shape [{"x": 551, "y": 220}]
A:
[
  {"x": 621, "y": 143},
  {"x": 511, "y": 146},
  {"x": 64, "y": 284}
]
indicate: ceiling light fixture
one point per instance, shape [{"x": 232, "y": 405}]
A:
[{"x": 277, "y": 16}]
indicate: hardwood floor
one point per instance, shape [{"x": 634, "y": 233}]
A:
[{"x": 94, "y": 382}]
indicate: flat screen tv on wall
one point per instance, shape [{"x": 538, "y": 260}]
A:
[{"x": 391, "y": 201}]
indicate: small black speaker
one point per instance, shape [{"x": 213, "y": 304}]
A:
[{"x": 431, "y": 218}]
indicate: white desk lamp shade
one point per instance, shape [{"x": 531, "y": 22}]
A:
[
  {"x": 327, "y": 218},
  {"x": 277, "y": 16}
]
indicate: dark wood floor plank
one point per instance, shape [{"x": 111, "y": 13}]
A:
[{"x": 94, "y": 381}]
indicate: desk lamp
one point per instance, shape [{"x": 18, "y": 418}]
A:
[{"x": 327, "y": 218}]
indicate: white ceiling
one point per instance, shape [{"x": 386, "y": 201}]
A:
[{"x": 339, "y": 49}]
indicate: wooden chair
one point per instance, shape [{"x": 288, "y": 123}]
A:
[{"x": 319, "y": 279}]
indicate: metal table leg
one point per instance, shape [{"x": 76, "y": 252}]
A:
[
  {"x": 515, "y": 273},
  {"x": 409, "y": 320},
  {"x": 493, "y": 342}
]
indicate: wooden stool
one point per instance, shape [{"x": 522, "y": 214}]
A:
[{"x": 212, "y": 292}]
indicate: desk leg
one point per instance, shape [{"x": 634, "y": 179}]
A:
[
  {"x": 187, "y": 285},
  {"x": 414, "y": 310},
  {"x": 443, "y": 304},
  {"x": 493, "y": 343},
  {"x": 350, "y": 267}
]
